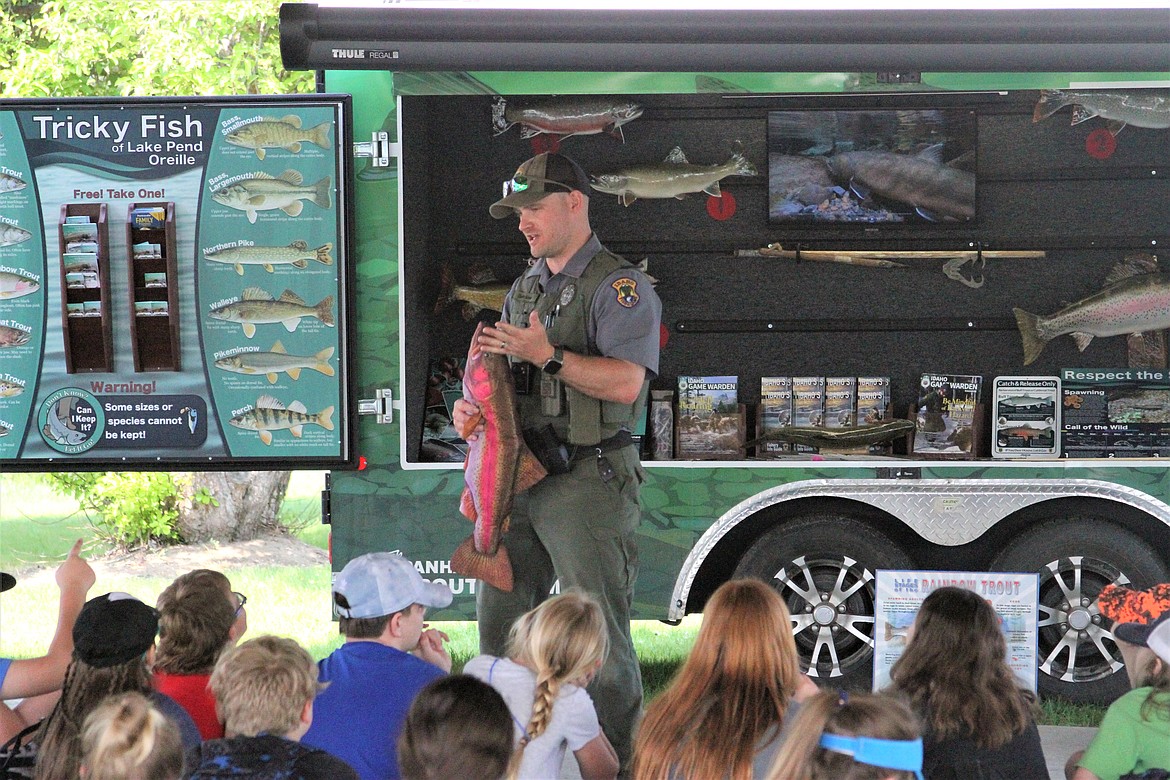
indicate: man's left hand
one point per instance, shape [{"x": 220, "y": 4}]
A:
[{"x": 530, "y": 344}]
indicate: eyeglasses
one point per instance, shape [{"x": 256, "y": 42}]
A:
[
  {"x": 521, "y": 183},
  {"x": 240, "y": 597}
]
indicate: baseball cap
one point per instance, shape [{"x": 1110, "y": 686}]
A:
[
  {"x": 382, "y": 583},
  {"x": 536, "y": 177},
  {"x": 6, "y": 581},
  {"x": 1155, "y": 636},
  {"x": 114, "y": 629},
  {"x": 1123, "y": 604}
]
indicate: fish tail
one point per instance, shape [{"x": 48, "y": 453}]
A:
[
  {"x": 322, "y": 254},
  {"x": 1051, "y": 101},
  {"x": 321, "y": 192},
  {"x": 500, "y": 123},
  {"x": 495, "y": 570},
  {"x": 320, "y": 135},
  {"x": 1033, "y": 339},
  {"x": 322, "y": 358},
  {"x": 324, "y": 418},
  {"x": 743, "y": 166},
  {"x": 324, "y": 310},
  {"x": 446, "y": 289}
]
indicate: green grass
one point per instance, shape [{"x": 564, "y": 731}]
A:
[{"x": 36, "y": 524}]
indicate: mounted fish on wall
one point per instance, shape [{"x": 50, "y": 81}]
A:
[
  {"x": 1135, "y": 300},
  {"x": 1140, "y": 108},
  {"x": 564, "y": 117},
  {"x": 674, "y": 177}
]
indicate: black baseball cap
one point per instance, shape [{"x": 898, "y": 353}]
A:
[
  {"x": 6, "y": 581},
  {"x": 541, "y": 175},
  {"x": 114, "y": 629}
]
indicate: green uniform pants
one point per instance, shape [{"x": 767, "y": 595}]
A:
[{"x": 580, "y": 529}]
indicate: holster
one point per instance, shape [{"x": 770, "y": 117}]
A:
[{"x": 548, "y": 449}]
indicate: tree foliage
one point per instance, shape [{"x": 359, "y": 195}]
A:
[{"x": 135, "y": 47}]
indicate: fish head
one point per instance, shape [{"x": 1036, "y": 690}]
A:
[
  {"x": 245, "y": 136},
  {"x": 626, "y": 112},
  {"x": 233, "y": 363},
  {"x": 609, "y": 183},
  {"x": 234, "y": 196}
]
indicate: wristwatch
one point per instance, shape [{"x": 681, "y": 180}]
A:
[{"x": 554, "y": 363}]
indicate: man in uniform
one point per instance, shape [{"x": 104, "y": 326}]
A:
[{"x": 581, "y": 329}]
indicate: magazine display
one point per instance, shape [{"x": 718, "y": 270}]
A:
[
  {"x": 710, "y": 422},
  {"x": 1025, "y": 417},
  {"x": 775, "y": 412},
  {"x": 945, "y": 415}
]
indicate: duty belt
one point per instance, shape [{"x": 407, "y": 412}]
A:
[{"x": 622, "y": 438}]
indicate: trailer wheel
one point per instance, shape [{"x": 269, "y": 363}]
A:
[
  {"x": 823, "y": 566},
  {"x": 1076, "y": 558}
]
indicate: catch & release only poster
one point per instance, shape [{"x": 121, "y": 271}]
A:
[{"x": 174, "y": 283}]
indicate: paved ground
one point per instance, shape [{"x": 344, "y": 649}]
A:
[{"x": 1059, "y": 743}]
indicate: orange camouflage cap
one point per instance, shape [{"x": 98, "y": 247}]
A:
[{"x": 1123, "y": 604}]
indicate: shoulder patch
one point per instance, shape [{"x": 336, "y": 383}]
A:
[{"x": 627, "y": 291}]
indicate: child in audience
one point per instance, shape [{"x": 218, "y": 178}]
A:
[
  {"x": 199, "y": 617},
  {"x": 264, "y": 690},
  {"x": 978, "y": 721},
  {"x": 127, "y": 738},
  {"x": 724, "y": 711},
  {"x": 1134, "y": 737},
  {"x": 840, "y": 736},
  {"x": 36, "y": 680},
  {"x": 113, "y": 639},
  {"x": 553, "y": 653},
  {"x": 458, "y": 726}
]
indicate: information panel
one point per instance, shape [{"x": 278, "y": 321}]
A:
[{"x": 174, "y": 283}]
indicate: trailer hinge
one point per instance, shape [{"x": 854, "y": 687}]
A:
[
  {"x": 900, "y": 472},
  {"x": 382, "y": 404},
  {"x": 378, "y": 149},
  {"x": 327, "y": 501}
]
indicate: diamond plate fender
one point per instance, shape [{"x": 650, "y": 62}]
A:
[{"x": 948, "y": 512}]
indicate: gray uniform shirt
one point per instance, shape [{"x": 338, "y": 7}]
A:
[{"x": 623, "y": 321}]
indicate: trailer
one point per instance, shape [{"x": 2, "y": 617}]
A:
[{"x": 1072, "y": 199}]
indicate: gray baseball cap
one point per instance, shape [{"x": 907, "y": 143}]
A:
[
  {"x": 541, "y": 175},
  {"x": 382, "y": 583}
]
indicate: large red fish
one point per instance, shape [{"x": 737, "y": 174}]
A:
[{"x": 499, "y": 465}]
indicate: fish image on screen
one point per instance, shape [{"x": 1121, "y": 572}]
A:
[{"x": 894, "y": 166}]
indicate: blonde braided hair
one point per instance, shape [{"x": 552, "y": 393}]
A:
[{"x": 563, "y": 640}]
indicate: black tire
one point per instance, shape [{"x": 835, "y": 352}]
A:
[
  {"x": 1076, "y": 558},
  {"x": 823, "y": 566}
]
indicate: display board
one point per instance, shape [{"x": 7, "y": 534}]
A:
[{"x": 174, "y": 283}]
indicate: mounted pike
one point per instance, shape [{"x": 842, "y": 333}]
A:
[
  {"x": 277, "y": 361},
  {"x": 674, "y": 177},
  {"x": 565, "y": 117},
  {"x": 498, "y": 466},
  {"x": 839, "y": 438},
  {"x": 476, "y": 297},
  {"x": 262, "y": 192},
  {"x": 1141, "y": 108},
  {"x": 297, "y": 254},
  {"x": 258, "y": 308},
  {"x": 285, "y": 133},
  {"x": 271, "y": 415},
  {"x": 1136, "y": 304}
]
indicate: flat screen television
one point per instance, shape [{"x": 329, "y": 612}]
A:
[{"x": 872, "y": 166}]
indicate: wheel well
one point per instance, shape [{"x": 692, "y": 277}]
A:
[
  {"x": 719, "y": 565},
  {"x": 1134, "y": 520}
]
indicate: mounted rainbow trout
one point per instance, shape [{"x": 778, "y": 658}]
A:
[{"x": 499, "y": 465}]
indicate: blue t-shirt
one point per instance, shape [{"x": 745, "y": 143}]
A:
[{"x": 359, "y": 716}]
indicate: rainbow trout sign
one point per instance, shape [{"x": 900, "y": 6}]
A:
[{"x": 174, "y": 283}]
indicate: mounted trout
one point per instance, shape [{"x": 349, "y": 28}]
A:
[
  {"x": 565, "y": 117},
  {"x": 499, "y": 465},
  {"x": 674, "y": 177}
]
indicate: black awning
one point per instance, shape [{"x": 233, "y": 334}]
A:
[{"x": 491, "y": 39}]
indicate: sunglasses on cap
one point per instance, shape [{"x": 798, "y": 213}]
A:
[
  {"x": 903, "y": 754},
  {"x": 521, "y": 183}
]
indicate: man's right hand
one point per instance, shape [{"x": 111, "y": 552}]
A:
[
  {"x": 462, "y": 412},
  {"x": 75, "y": 575}
]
